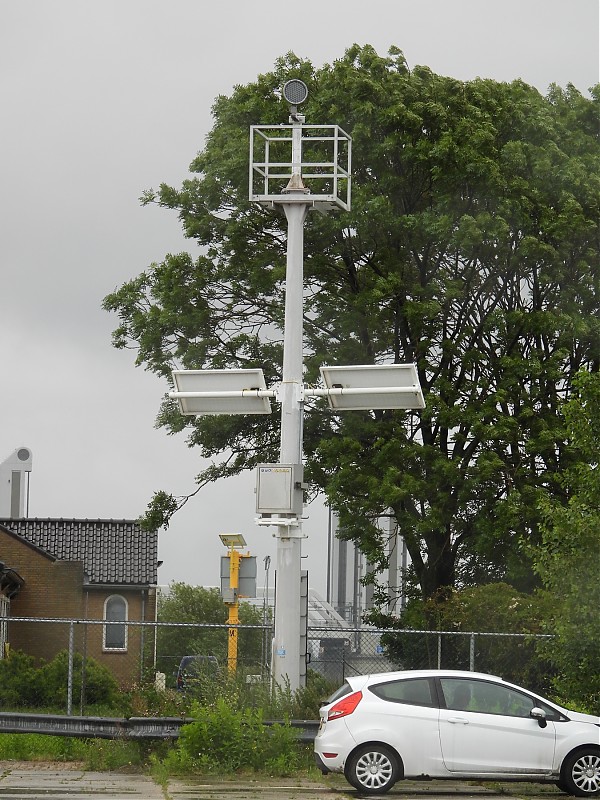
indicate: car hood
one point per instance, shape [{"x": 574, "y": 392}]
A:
[{"x": 576, "y": 716}]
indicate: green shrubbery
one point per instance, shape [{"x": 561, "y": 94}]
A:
[
  {"x": 25, "y": 685},
  {"x": 225, "y": 739},
  {"x": 144, "y": 700},
  {"x": 20, "y": 682},
  {"x": 43, "y": 689},
  {"x": 226, "y": 733}
]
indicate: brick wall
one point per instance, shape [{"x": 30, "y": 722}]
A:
[
  {"x": 52, "y": 589},
  {"x": 55, "y": 589}
]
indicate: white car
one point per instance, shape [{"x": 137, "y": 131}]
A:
[{"x": 379, "y": 729}]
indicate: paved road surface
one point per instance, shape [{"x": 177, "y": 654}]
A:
[{"x": 28, "y": 781}]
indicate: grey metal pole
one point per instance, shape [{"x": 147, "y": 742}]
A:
[
  {"x": 286, "y": 645},
  {"x": 296, "y": 199},
  {"x": 286, "y": 649}
]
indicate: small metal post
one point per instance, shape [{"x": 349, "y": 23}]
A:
[
  {"x": 266, "y": 644},
  {"x": 233, "y": 615},
  {"x": 70, "y": 675},
  {"x": 142, "y": 638},
  {"x": 472, "y": 653}
]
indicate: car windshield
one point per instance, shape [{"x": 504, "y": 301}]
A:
[{"x": 198, "y": 663}]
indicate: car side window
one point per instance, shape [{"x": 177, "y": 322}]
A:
[
  {"x": 487, "y": 698},
  {"x": 413, "y": 691}
]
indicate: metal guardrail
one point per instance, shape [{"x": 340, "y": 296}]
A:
[
  {"x": 92, "y": 727},
  {"x": 307, "y": 728},
  {"x": 120, "y": 728}
]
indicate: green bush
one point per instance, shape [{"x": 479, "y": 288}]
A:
[
  {"x": 23, "y": 685},
  {"x": 20, "y": 682},
  {"x": 100, "y": 686},
  {"x": 39, "y": 747},
  {"x": 145, "y": 700},
  {"x": 224, "y": 739},
  {"x": 305, "y": 702}
]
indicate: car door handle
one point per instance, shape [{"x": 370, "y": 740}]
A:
[{"x": 458, "y": 720}]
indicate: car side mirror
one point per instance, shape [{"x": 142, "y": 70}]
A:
[{"x": 540, "y": 715}]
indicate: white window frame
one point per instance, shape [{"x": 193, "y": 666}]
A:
[{"x": 107, "y": 648}]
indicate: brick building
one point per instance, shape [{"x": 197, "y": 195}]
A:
[{"x": 103, "y": 570}]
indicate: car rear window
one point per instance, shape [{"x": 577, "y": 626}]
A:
[
  {"x": 412, "y": 691},
  {"x": 344, "y": 689}
]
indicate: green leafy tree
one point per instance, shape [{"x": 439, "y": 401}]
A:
[
  {"x": 494, "y": 608},
  {"x": 471, "y": 250},
  {"x": 197, "y": 605},
  {"x": 569, "y": 557}
]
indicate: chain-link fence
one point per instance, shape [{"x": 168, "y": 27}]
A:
[
  {"x": 87, "y": 656},
  {"x": 337, "y": 654}
]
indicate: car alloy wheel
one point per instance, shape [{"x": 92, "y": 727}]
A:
[
  {"x": 372, "y": 769},
  {"x": 581, "y": 775}
]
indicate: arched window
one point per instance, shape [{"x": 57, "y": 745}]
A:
[{"x": 115, "y": 614}]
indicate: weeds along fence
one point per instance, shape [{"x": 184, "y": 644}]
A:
[{"x": 83, "y": 658}]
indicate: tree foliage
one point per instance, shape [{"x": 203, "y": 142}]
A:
[
  {"x": 200, "y": 606},
  {"x": 495, "y": 609},
  {"x": 569, "y": 556},
  {"x": 471, "y": 249}
]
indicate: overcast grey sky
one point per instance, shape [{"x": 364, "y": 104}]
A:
[{"x": 101, "y": 99}]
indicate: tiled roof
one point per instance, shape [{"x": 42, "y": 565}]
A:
[{"x": 112, "y": 551}]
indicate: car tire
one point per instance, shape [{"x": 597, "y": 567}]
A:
[
  {"x": 372, "y": 769},
  {"x": 580, "y": 773}
]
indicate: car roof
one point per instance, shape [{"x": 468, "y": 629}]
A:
[
  {"x": 422, "y": 673},
  {"x": 357, "y": 682},
  {"x": 186, "y": 659}
]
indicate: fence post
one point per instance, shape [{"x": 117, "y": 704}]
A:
[
  {"x": 472, "y": 653},
  {"x": 70, "y": 678},
  {"x": 439, "y": 651}
]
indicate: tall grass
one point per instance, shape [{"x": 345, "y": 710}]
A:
[{"x": 96, "y": 754}]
